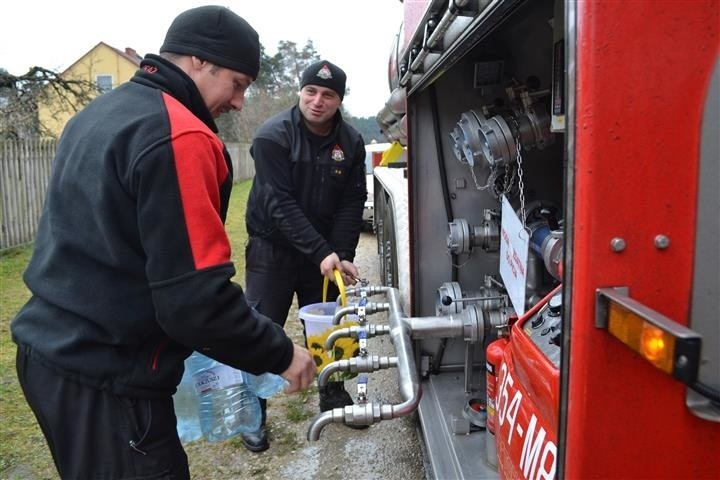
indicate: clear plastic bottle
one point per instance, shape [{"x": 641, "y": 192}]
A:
[
  {"x": 268, "y": 384},
  {"x": 186, "y": 408},
  {"x": 228, "y": 405}
]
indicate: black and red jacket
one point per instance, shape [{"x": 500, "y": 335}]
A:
[{"x": 131, "y": 268}]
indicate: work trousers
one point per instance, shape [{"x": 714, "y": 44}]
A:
[
  {"x": 94, "y": 434},
  {"x": 273, "y": 274}
]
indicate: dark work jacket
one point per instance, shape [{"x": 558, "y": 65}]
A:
[
  {"x": 131, "y": 268},
  {"x": 308, "y": 192}
]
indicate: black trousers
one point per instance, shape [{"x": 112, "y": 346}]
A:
[
  {"x": 94, "y": 434},
  {"x": 273, "y": 274}
]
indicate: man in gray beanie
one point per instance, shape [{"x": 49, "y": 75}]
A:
[
  {"x": 132, "y": 271},
  {"x": 304, "y": 212}
]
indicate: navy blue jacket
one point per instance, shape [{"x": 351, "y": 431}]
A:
[
  {"x": 308, "y": 192},
  {"x": 131, "y": 268}
]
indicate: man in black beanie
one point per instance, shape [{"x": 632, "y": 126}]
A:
[
  {"x": 304, "y": 212},
  {"x": 131, "y": 270}
]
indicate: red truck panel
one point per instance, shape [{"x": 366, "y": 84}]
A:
[{"x": 643, "y": 70}]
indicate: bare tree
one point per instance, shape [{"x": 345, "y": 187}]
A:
[
  {"x": 275, "y": 89},
  {"x": 20, "y": 96},
  {"x": 260, "y": 105},
  {"x": 282, "y": 71}
]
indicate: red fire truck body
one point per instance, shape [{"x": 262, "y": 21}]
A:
[{"x": 589, "y": 130}]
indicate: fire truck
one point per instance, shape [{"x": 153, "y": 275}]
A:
[{"x": 556, "y": 206}]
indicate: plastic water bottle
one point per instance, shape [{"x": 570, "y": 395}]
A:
[
  {"x": 186, "y": 408},
  {"x": 228, "y": 406},
  {"x": 268, "y": 384}
]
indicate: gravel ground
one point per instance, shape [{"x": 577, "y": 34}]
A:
[{"x": 388, "y": 450}]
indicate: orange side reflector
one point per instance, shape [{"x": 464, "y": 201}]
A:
[
  {"x": 652, "y": 343},
  {"x": 669, "y": 346}
]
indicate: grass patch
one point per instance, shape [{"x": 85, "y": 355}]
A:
[
  {"x": 283, "y": 438},
  {"x": 296, "y": 406},
  {"x": 23, "y": 451},
  {"x": 260, "y": 470},
  {"x": 235, "y": 227}
]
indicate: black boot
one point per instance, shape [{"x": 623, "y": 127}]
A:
[
  {"x": 334, "y": 395},
  {"x": 257, "y": 441}
]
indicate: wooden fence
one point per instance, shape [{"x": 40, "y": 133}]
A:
[
  {"x": 243, "y": 165},
  {"x": 24, "y": 173}
]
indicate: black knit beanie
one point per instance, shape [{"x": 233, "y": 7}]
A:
[
  {"x": 218, "y": 35},
  {"x": 325, "y": 74}
]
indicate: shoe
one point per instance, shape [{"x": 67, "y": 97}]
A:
[
  {"x": 334, "y": 395},
  {"x": 256, "y": 441}
]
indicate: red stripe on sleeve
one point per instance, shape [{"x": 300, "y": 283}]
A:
[{"x": 201, "y": 170}]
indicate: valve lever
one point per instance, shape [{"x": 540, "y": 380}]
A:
[
  {"x": 362, "y": 342},
  {"x": 362, "y": 393}
]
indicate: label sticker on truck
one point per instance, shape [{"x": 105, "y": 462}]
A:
[{"x": 524, "y": 444}]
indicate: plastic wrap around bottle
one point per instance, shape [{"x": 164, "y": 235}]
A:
[
  {"x": 227, "y": 403},
  {"x": 267, "y": 384},
  {"x": 186, "y": 408}
]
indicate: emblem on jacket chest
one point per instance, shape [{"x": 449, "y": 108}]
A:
[{"x": 337, "y": 153}]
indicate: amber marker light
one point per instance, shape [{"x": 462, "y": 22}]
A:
[
  {"x": 667, "y": 345},
  {"x": 657, "y": 347}
]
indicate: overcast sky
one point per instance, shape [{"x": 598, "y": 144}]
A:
[{"x": 355, "y": 34}]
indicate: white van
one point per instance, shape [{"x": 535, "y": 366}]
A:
[{"x": 369, "y": 211}]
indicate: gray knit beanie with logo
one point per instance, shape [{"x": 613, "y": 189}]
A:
[
  {"x": 325, "y": 74},
  {"x": 218, "y": 35}
]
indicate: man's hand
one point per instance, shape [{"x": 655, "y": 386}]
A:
[
  {"x": 349, "y": 272},
  {"x": 347, "y": 269},
  {"x": 329, "y": 264},
  {"x": 301, "y": 372}
]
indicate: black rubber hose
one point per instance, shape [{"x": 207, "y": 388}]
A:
[
  {"x": 437, "y": 359},
  {"x": 709, "y": 392}
]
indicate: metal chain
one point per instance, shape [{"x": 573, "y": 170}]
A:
[
  {"x": 508, "y": 179},
  {"x": 469, "y": 257},
  {"x": 507, "y": 185},
  {"x": 521, "y": 185},
  {"x": 478, "y": 187}
]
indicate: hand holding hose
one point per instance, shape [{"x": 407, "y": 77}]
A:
[{"x": 348, "y": 271}]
